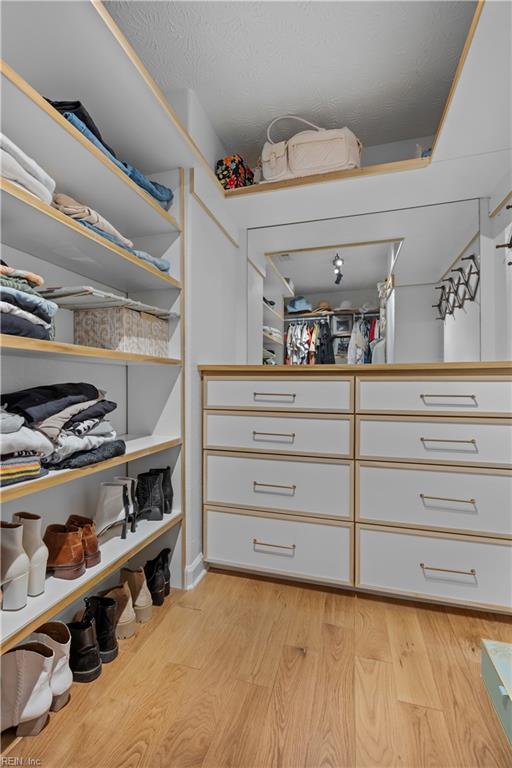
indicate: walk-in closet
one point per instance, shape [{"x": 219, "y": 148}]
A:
[{"x": 256, "y": 383}]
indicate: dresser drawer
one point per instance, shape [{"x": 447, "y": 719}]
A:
[
  {"x": 280, "y": 393},
  {"x": 327, "y": 436},
  {"x": 305, "y": 550},
  {"x": 475, "y": 500},
  {"x": 451, "y": 396},
  {"x": 435, "y": 440},
  {"x": 446, "y": 567},
  {"x": 300, "y": 486}
]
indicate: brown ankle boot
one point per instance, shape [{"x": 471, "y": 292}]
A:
[
  {"x": 65, "y": 551},
  {"x": 90, "y": 544}
]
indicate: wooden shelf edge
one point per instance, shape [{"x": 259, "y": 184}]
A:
[
  {"x": 397, "y": 166},
  {"x": 40, "y": 102},
  {"x": 268, "y": 337},
  {"x": 84, "y": 587},
  {"x": 12, "y": 492},
  {"x": 274, "y": 312},
  {"x": 22, "y": 344},
  {"x": 67, "y": 221},
  {"x": 383, "y": 369}
]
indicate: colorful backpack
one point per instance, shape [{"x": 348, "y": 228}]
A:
[{"x": 233, "y": 172}]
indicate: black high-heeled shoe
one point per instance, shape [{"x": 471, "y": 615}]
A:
[
  {"x": 168, "y": 492},
  {"x": 150, "y": 496}
]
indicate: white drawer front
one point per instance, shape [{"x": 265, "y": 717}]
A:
[
  {"x": 436, "y": 396},
  {"x": 437, "y": 441},
  {"x": 307, "y": 487},
  {"x": 458, "y": 500},
  {"x": 290, "y": 547},
  {"x": 392, "y": 561},
  {"x": 279, "y": 394},
  {"x": 279, "y": 435}
]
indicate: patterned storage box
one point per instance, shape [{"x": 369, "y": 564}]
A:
[{"x": 123, "y": 330}]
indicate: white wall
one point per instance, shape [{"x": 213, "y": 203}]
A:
[
  {"x": 418, "y": 335},
  {"x": 394, "y": 150},
  {"x": 461, "y": 330},
  {"x": 191, "y": 113}
]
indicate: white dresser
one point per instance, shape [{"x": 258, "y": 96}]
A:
[{"x": 394, "y": 479}]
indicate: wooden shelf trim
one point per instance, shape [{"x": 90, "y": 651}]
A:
[
  {"x": 91, "y": 577},
  {"x": 268, "y": 337},
  {"x": 388, "y": 369},
  {"x": 59, "y": 477},
  {"x": 39, "y": 346},
  {"x": 25, "y": 197}
]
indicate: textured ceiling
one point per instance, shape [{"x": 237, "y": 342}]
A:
[{"x": 382, "y": 68}]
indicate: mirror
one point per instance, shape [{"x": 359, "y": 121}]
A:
[{"x": 390, "y": 287}]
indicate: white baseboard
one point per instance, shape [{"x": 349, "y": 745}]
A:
[{"x": 195, "y": 572}]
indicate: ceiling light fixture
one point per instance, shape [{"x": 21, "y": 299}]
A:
[{"x": 337, "y": 264}]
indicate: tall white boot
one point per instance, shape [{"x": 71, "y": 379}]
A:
[
  {"x": 26, "y": 692},
  {"x": 36, "y": 550},
  {"x": 112, "y": 508},
  {"x": 56, "y": 636},
  {"x": 15, "y": 566}
]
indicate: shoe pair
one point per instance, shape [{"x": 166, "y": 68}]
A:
[
  {"x": 23, "y": 560},
  {"x": 72, "y": 547},
  {"x": 93, "y": 638},
  {"x": 158, "y": 576},
  {"x": 155, "y": 493},
  {"x": 117, "y": 506}
]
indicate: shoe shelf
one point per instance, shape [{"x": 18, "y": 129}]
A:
[
  {"x": 136, "y": 447},
  {"x": 271, "y": 313},
  {"x": 79, "y": 168},
  {"x": 31, "y": 226},
  {"x": 59, "y": 593},
  {"x": 268, "y": 339},
  {"x": 18, "y": 345}
]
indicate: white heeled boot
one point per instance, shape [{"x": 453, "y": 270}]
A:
[
  {"x": 15, "y": 566},
  {"x": 36, "y": 550},
  {"x": 56, "y": 636},
  {"x": 26, "y": 692},
  {"x": 112, "y": 508}
]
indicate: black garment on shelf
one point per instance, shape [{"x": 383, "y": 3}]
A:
[
  {"x": 39, "y": 403},
  {"x": 96, "y": 411},
  {"x": 325, "y": 349},
  {"x": 86, "y": 458},
  {"x": 18, "y": 301},
  {"x": 20, "y": 326},
  {"x": 78, "y": 109}
]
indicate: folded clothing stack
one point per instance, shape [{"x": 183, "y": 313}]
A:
[
  {"x": 274, "y": 332},
  {"x": 63, "y": 423},
  {"x": 21, "y": 169},
  {"x": 22, "y": 450},
  {"x": 76, "y": 114},
  {"x": 94, "y": 221},
  {"x": 23, "y": 311}
]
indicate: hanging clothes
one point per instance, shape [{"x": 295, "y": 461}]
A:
[
  {"x": 359, "y": 351},
  {"x": 309, "y": 342}
]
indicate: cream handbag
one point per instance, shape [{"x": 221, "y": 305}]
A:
[{"x": 309, "y": 152}]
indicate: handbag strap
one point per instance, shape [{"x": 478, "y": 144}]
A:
[{"x": 290, "y": 117}]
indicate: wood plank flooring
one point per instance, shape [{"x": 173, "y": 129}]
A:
[{"x": 249, "y": 673}]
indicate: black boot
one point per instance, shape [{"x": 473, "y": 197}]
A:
[
  {"x": 150, "y": 496},
  {"x": 167, "y": 487},
  {"x": 155, "y": 579},
  {"x": 84, "y": 657},
  {"x": 165, "y": 557},
  {"x": 103, "y": 611}
]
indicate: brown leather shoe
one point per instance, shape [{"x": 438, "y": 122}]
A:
[
  {"x": 65, "y": 551},
  {"x": 90, "y": 544}
]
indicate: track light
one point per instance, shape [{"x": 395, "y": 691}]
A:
[{"x": 339, "y": 278}]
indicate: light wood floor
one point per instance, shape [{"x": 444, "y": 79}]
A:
[{"x": 244, "y": 673}]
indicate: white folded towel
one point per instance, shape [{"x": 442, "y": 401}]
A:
[
  {"x": 12, "y": 170},
  {"x": 27, "y": 163}
]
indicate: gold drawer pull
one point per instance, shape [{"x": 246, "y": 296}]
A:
[
  {"x": 292, "y": 395},
  {"x": 291, "y": 435},
  {"x": 424, "y": 567},
  {"x": 257, "y": 543},
  {"x": 432, "y": 394},
  {"x": 423, "y": 497},
  {"x": 446, "y": 440},
  {"x": 256, "y": 485}
]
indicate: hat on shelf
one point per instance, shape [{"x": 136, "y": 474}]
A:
[
  {"x": 345, "y": 304},
  {"x": 298, "y": 304},
  {"x": 323, "y": 306}
]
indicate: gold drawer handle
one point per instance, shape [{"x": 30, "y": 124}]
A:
[
  {"x": 292, "y": 395},
  {"x": 423, "y": 497},
  {"x": 291, "y": 435},
  {"x": 256, "y": 485},
  {"x": 446, "y": 440},
  {"x": 424, "y": 567},
  {"x": 432, "y": 394},
  {"x": 257, "y": 543}
]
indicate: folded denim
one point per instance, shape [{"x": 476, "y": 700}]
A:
[
  {"x": 17, "y": 326},
  {"x": 39, "y": 403},
  {"x": 78, "y": 109},
  {"x": 67, "y": 444},
  {"x": 10, "y": 169},
  {"x": 22, "y": 477},
  {"x": 53, "y": 426},
  {"x": 85, "y": 458},
  {"x": 31, "y": 277},
  {"x": 13, "y": 309},
  {"x": 25, "y": 439},
  {"x": 27, "y": 163},
  {"x": 97, "y": 411},
  {"x": 158, "y": 191},
  {"x": 10, "y": 422},
  {"x": 70, "y": 207},
  {"x": 31, "y": 302},
  {"x": 162, "y": 264}
]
